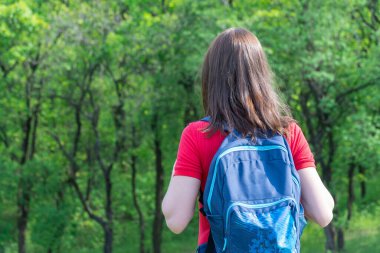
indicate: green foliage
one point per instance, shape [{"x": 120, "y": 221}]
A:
[{"x": 124, "y": 65}]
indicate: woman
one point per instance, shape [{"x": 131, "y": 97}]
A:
[{"x": 237, "y": 92}]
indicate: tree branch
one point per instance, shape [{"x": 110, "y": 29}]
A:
[
  {"x": 72, "y": 180},
  {"x": 85, "y": 205},
  {"x": 369, "y": 25},
  {"x": 339, "y": 98},
  {"x": 6, "y": 70}
]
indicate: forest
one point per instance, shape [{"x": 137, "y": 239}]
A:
[{"x": 94, "y": 96}]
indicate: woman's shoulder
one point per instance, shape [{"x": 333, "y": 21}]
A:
[
  {"x": 196, "y": 130},
  {"x": 294, "y": 126},
  {"x": 293, "y": 130},
  {"x": 302, "y": 155},
  {"x": 198, "y": 125}
]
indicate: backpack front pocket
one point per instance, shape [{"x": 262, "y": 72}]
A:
[{"x": 270, "y": 227}]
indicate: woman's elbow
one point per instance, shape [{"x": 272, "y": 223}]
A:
[
  {"x": 175, "y": 225},
  {"x": 327, "y": 217},
  {"x": 165, "y": 209},
  {"x": 322, "y": 215},
  {"x": 175, "y": 222},
  {"x": 324, "y": 220}
]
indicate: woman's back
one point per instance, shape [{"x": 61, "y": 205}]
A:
[
  {"x": 197, "y": 149},
  {"x": 238, "y": 95}
]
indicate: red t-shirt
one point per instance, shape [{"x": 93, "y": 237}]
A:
[{"x": 196, "y": 151}]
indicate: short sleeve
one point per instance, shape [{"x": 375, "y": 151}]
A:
[
  {"x": 188, "y": 159},
  {"x": 302, "y": 155}
]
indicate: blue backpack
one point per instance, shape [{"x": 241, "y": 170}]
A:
[{"x": 252, "y": 197}]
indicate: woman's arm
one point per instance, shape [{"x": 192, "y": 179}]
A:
[
  {"x": 316, "y": 199},
  {"x": 179, "y": 202}
]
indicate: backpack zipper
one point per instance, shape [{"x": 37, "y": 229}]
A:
[
  {"x": 256, "y": 206},
  {"x": 252, "y": 206},
  {"x": 240, "y": 148}
]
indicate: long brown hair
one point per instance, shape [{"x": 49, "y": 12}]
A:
[{"x": 237, "y": 86}]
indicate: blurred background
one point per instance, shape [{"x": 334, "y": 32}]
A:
[{"x": 94, "y": 96}]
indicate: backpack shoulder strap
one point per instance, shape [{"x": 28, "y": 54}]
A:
[
  {"x": 206, "y": 119},
  {"x": 201, "y": 210}
]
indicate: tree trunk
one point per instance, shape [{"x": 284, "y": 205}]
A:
[
  {"x": 158, "y": 217},
  {"x": 330, "y": 237},
  {"x": 108, "y": 238},
  {"x": 108, "y": 229},
  {"x": 363, "y": 188},
  {"x": 24, "y": 185},
  {"x": 134, "y": 194},
  {"x": 22, "y": 221},
  {"x": 351, "y": 193},
  {"x": 23, "y": 196},
  {"x": 137, "y": 206},
  {"x": 340, "y": 239}
]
